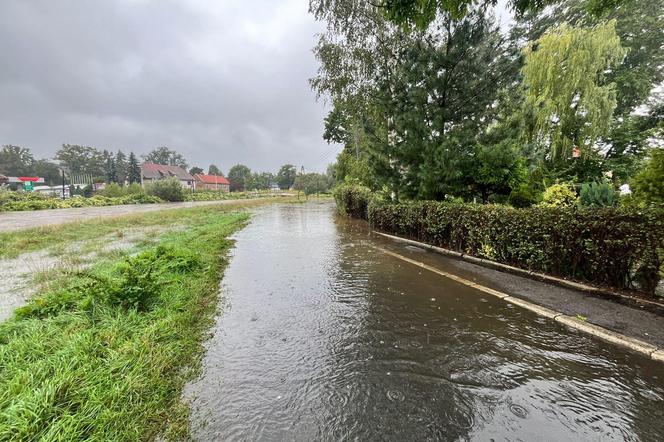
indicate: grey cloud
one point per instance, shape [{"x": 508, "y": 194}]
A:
[{"x": 222, "y": 82}]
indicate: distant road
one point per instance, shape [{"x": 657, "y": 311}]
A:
[{"x": 10, "y": 221}]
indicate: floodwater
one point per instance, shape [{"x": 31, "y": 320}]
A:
[{"x": 323, "y": 337}]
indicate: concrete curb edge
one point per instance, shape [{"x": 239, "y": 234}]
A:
[
  {"x": 516, "y": 270},
  {"x": 636, "y": 345}
]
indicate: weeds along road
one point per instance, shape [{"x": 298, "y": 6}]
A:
[{"x": 11, "y": 221}]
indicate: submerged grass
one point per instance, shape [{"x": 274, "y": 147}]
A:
[
  {"x": 105, "y": 354},
  {"x": 58, "y": 236}
]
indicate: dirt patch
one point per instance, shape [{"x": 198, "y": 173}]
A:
[{"x": 25, "y": 275}]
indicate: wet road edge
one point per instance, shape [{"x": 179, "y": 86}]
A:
[{"x": 637, "y": 345}]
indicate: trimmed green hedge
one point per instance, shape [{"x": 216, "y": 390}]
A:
[
  {"x": 352, "y": 200},
  {"x": 615, "y": 247}
]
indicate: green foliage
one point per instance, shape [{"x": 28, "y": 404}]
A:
[
  {"x": 166, "y": 156},
  {"x": 112, "y": 190},
  {"x": 169, "y": 189},
  {"x": 352, "y": 200},
  {"x": 648, "y": 185},
  {"x": 564, "y": 75},
  {"x": 606, "y": 246},
  {"x": 286, "y": 176},
  {"x": 524, "y": 196},
  {"x": 238, "y": 175},
  {"x": 558, "y": 195},
  {"x": 598, "y": 195},
  {"x": 106, "y": 353},
  {"x": 258, "y": 181},
  {"x": 214, "y": 170},
  {"x": 352, "y": 170},
  {"x": 16, "y": 161},
  {"x": 22, "y": 201},
  {"x": 81, "y": 159},
  {"x": 498, "y": 170},
  {"x": 311, "y": 183},
  {"x": 133, "y": 169}
]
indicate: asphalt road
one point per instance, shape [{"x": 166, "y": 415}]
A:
[{"x": 10, "y": 221}]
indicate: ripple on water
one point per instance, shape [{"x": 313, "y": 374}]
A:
[
  {"x": 395, "y": 396},
  {"x": 518, "y": 411}
]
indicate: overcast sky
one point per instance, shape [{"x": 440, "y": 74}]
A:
[{"x": 222, "y": 82}]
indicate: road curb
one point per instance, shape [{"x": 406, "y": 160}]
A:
[
  {"x": 649, "y": 350},
  {"x": 518, "y": 271}
]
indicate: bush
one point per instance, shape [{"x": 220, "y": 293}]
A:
[
  {"x": 598, "y": 195},
  {"x": 169, "y": 189},
  {"x": 606, "y": 246},
  {"x": 523, "y": 196},
  {"x": 647, "y": 185},
  {"x": 558, "y": 195},
  {"x": 352, "y": 200},
  {"x": 112, "y": 190},
  {"x": 22, "y": 201}
]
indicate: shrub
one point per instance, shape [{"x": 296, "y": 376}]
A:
[
  {"x": 598, "y": 195},
  {"x": 523, "y": 196},
  {"x": 22, "y": 201},
  {"x": 558, "y": 195},
  {"x": 648, "y": 185},
  {"x": 112, "y": 190},
  {"x": 168, "y": 189},
  {"x": 140, "y": 198},
  {"x": 606, "y": 246},
  {"x": 352, "y": 200}
]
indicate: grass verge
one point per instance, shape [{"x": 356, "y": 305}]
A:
[
  {"x": 28, "y": 240},
  {"x": 105, "y": 354}
]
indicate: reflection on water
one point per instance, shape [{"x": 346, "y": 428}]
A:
[{"x": 324, "y": 338}]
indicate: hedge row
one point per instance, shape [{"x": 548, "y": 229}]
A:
[
  {"x": 22, "y": 201},
  {"x": 621, "y": 248}
]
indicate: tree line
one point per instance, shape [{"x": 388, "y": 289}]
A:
[
  {"x": 118, "y": 167},
  {"x": 431, "y": 100}
]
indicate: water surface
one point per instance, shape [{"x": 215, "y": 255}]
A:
[{"x": 322, "y": 337}]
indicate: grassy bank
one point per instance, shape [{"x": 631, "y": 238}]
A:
[
  {"x": 28, "y": 240},
  {"x": 105, "y": 353}
]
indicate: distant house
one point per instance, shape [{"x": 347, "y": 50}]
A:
[
  {"x": 212, "y": 182},
  {"x": 23, "y": 182},
  {"x": 154, "y": 172}
]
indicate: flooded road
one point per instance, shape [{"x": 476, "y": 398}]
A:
[{"x": 323, "y": 337}]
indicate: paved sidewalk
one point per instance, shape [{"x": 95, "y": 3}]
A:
[
  {"x": 631, "y": 321},
  {"x": 10, "y": 221}
]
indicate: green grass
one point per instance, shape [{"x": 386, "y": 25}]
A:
[
  {"x": 105, "y": 353},
  {"x": 59, "y": 236}
]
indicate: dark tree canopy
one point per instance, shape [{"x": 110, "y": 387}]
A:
[
  {"x": 164, "y": 155},
  {"x": 286, "y": 176},
  {"x": 214, "y": 170},
  {"x": 238, "y": 176}
]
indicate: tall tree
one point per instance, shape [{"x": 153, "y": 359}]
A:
[
  {"x": 134, "y": 170},
  {"x": 16, "y": 161},
  {"x": 286, "y": 176},
  {"x": 121, "y": 166},
  {"x": 566, "y": 85},
  {"x": 214, "y": 170},
  {"x": 81, "y": 159},
  {"x": 238, "y": 176},
  {"x": 195, "y": 170},
  {"x": 166, "y": 156}
]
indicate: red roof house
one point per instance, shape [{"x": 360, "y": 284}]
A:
[{"x": 212, "y": 182}]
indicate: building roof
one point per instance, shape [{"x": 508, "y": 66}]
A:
[
  {"x": 211, "y": 179},
  {"x": 157, "y": 171}
]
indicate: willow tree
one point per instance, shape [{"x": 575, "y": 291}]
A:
[{"x": 565, "y": 74}]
